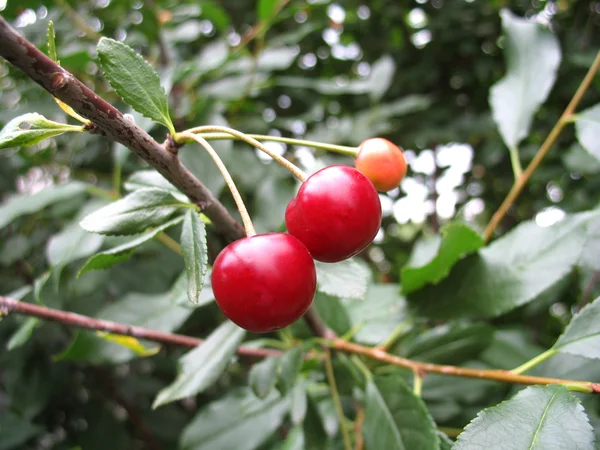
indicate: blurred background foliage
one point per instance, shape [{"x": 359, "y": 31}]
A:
[{"x": 415, "y": 72}]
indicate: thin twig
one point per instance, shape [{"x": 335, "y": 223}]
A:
[
  {"x": 80, "y": 321},
  {"x": 359, "y": 441},
  {"x": 522, "y": 180},
  {"x": 8, "y": 305},
  {"x": 335, "y": 395}
]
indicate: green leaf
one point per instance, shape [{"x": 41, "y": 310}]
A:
[
  {"x": 141, "y": 209},
  {"x": 263, "y": 375},
  {"x": 134, "y": 80},
  {"x": 108, "y": 258},
  {"x": 532, "y": 57},
  {"x": 237, "y": 421},
  {"x": 20, "y": 205},
  {"x": 152, "y": 179},
  {"x": 294, "y": 439},
  {"x": 266, "y": 9},
  {"x": 587, "y": 126},
  {"x": 51, "y": 36},
  {"x": 381, "y": 77},
  {"x": 582, "y": 335},
  {"x": 179, "y": 292},
  {"x": 576, "y": 159},
  {"x": 29, "y": 129},
  {"x": 449, "y": 343},
  {"x": 346, "y": 279},
  {"x": 456, "y": 241},
  {"x": 396, "y": 418},
  {"x": 379, "y": 314},
  {"x": 537, "y": 418},
  {"x": 290, "y": 365},
  {"x": 445, "y": 442},
  {"x": 201, "y": 367},
  {"x": 333, "y": 312},
  {"x": 195, "y": 254},
  {"x": 298, "y": 402},
  {"x": 23, "y": 333},
  {"x": 509, "y": 273},
  {"x": 73, "y": 242},
  {"x": 16, "y": 431}
]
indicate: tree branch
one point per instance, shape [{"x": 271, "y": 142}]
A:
[
  {"x": 8, "y": 305},
  {"x": 109, "y": 120}
]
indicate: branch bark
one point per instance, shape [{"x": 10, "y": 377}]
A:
[
  {"x": 111, "y": 122},
  {"x": 8, "y": 305}
]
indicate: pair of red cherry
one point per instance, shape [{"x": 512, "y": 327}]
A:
[{"x": 268, "y": 281}]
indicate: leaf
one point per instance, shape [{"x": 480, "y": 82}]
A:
[
  {"x": 263, "y": 375},
  {"x": 23, "y": 333},
  {"x": 51, "y": 36},
  {"x": 31, "y": 128},
  {"x": 195, "y": 254},
  {"x": 449, "y": 343},
  {"x": 537, "y": 418},
  {"x": 294, "y": 439},
  {"x": 152, "y": 179},
  {"x": 71, "y": 244},
  {"x": 20, "y": 205},
  {"x": 115, "y": 255},
  {"x": 576, "y": 159},
  {"x": 298, "y": 402},
  {"x": 382, "y": 74},
  {"x": 587, "y": 126},
  {"x": 16, "y": 431},
  {"x": 134, "y": 80},
  {"x": 395, "y": 418},
  {"x": 532, "y": 57},
  {"x": 582, "y": 335},
  {"x": 201, "y": 367},
  {"x": 379, "y": 314},
  {"x": 179, "y": 296},
  {"x": 141, "y": 209},
  {"x": 237, "y": 421},
  {"x": 512, "y": 271},
  {"x": 131, "y": 343},
  {"x": 346, "y": 279},
  {"x": 266, "y": 9},
  {"x": 289, "y": 367},
  {"x": 333, "y": 312},
  {"x": 456, "y": 241}
]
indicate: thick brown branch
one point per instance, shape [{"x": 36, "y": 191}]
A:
[
  {"x": 8, "y": 305},
  {"x": 64, "y": 86}
]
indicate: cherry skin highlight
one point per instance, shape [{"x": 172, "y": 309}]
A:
[
  {"x": 264, "y": 282},
  {"x": 336, "y": 214},
  {"x": 382, "y": 162}
]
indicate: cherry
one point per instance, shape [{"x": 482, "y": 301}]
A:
[
  {"x": 382, "y": 162},
  {"x": 336, "y": 213},
  {"x": 264, "y": 282}
]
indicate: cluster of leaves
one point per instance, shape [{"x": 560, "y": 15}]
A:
[{"x": 442, "y": 297}]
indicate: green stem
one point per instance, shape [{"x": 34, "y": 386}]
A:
[
  {"x": 341, "y": 149},
  {"x": 515, "y": 161},
  {"x": 396, "y": 334},
  {"x": 248, "y": 226},
  {"x": 534, "y": 361},
  {"x": 336, "y": 401},
  {"x": 298, "y": 173}
]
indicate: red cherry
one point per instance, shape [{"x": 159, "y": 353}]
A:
[
  {"x": 264, "y": 282},
  {"x": 382, "y": 162},
  {"x": 336, "y": 213}
]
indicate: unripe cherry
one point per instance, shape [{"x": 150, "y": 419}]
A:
[{"x": 382, "y": 162}]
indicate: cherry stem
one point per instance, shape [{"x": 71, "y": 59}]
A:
[
  {"x": 298, "y": 173},
  {"x": 341, "y": 149},
  {"x": 248, "y": 226}
]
